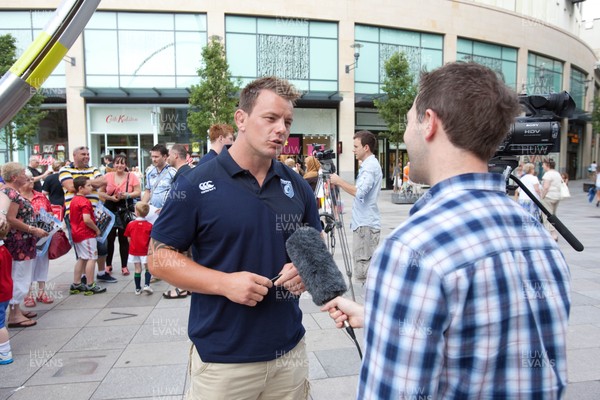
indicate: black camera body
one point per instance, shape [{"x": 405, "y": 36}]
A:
[
  {"x": 325, "y": 157},
  {"x": 538, "y": 131}
]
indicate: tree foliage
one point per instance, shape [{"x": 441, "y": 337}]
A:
[
  {"x": 596, "y": 115},
  {"x": 23, "y": 128},
  {"x": 213, "y": 101},
  {"x": 401, "y": 91}
]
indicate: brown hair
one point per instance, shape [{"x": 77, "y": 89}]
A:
[
  {"x": 218, "y": 130},
  {"x": 550, "y": 163},
  {"x": 367, "y": 139},
  {"x": 474, "y": 106},
  {"x": 280, "y": 87}
]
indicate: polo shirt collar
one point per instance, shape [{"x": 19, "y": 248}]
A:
[{"x": 232, "y": 168}]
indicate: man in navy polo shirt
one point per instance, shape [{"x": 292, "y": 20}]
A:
[{"x": 239, "y": 211}]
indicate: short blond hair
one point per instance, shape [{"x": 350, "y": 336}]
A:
[
  {"x": 10, "y": 170},
  {"x": 528, "y": 168},
  {"x": 142, "y": 209}
]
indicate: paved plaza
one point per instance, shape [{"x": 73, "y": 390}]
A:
[{"x": 118, "y": 345}]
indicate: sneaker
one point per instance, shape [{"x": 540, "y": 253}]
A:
[
  {"x": 77, "y": 288},
  {"x": 106, "y": 278},
  {"x": 138, "y": 291},
  {"x": 94, "y": 289},
  {"x": 84, "y": 279},
  {"x": 147, "y": 289},
  {"x": 6, "y": 358}
]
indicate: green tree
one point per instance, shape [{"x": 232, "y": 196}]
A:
[
  {"x": 23, "y": 128},
  {"x": 213, "y": 101},
  {"x": 400, "y": 92},
  {"x": 596, "y": 115}
]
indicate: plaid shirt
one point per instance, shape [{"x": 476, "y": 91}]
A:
[{"x": 468, "y": 299}]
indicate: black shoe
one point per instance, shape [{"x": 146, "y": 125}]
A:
[
  {"x": 93, "y": 289},
  {"x": 106, "y": 278}
]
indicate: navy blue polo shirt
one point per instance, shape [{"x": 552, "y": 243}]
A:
[{"x": 234, "y": 225}]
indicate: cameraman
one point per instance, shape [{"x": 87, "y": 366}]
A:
[
  {"x": 366, "y": 221},
  {"x": 469, "y": 297}
]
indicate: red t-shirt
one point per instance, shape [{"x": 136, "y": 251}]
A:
[
  {"x": 6, "y": 282},
  {"x": 139, "y": 232},
  {"x": 79, "y": 230}
]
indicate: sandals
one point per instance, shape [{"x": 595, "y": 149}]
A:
[
  {"x": 29, "y": 301},
  {"x": 29, "y": 314},
  {"x": 23, "y": 324},
  {"x": 108, "y": 268},
  {"x": 175, "y": 294},
  {"x": 125, "y": 271},
  {"x": 44, "y": 298}
]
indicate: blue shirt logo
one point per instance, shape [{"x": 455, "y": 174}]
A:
[{"x": 287, "y": 187}]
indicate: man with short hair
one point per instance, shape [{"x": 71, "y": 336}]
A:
[
  {"x": 469, "y": 297},
  {"x": 220, "y": 135},
  {"x": 366, "y": 220},
  {"x": 34, "y": 163},
  {"x": 245, "y": 321},
  {"x": 158, "y": 181},
  {"x": 80, "y": 167},
  {"x": 178, "y": 160}
]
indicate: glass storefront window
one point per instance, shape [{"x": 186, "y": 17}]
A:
[
  {"x": 501, "y": 59},
  {"x": 301, "y": 51},
  {"x": 423, "y": 50},
  {"x": 144, "y": 50},
  {"x": 577, "y": 87},
  {"x": 544, "y": 75}
]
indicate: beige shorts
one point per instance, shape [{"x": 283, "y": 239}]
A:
[
  {"x": 285, "y": 378},
  {"x": 87, "y": 250}
]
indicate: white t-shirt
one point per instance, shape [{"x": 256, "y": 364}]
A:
[
  {"x": 555, "y": 180},
  {"x": 530, "y": 181},
  {"x": 598, "y": 180}
]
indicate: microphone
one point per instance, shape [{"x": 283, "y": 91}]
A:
[{"x": 315, "y": 264}]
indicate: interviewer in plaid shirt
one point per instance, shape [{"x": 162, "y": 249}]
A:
[{"x": 469, "y": 298}]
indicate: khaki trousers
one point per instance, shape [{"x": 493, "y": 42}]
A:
[{"x": 285, "y": 378}]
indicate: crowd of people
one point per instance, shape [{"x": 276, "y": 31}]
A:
[{"x": 455, "y": 295}]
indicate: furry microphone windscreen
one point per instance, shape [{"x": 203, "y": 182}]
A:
[{"x": 321, "y": 276}]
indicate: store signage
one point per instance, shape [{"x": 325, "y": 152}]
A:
[{"x": 120, "y": 119}]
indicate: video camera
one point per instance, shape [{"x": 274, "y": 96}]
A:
[
  {"x": 538, "y": 132},
  {"x": 535, "y": 133},
  {"x": 325, "y": 157}
]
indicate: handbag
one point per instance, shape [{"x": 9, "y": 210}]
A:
[
  {"x": 59, "y": 245},
  {"x": 564, "y": 191},
  {"x": 126, "y": 213}
]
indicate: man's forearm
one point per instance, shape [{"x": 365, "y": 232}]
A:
[{"x": 347, "y": 187}]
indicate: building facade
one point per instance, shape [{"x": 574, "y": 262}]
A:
[{"x": 124, "y": 84}]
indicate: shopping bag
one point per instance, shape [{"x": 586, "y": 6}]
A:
[{"x": 59, "y": 245}]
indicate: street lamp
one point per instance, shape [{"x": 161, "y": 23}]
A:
[{"x": 354, "y": 65}]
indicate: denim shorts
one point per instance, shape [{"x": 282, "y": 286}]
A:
[{"x": 3, "y": 308}]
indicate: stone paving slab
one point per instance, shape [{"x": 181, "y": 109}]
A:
[
  {"x": 152, "y": 381},
  {"x": 72, "y": 367}
]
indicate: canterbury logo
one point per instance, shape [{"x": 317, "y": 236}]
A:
[{"x": 206, "y": 187}]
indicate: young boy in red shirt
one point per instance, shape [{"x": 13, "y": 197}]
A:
[
  {"x": 138, "y": 234},
  {"x": 83, "y": 233}
]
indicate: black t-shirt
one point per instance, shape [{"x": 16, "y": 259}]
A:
[
  {"x": 55, "y": 191},
  {"x": 37, "y": 186}
]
